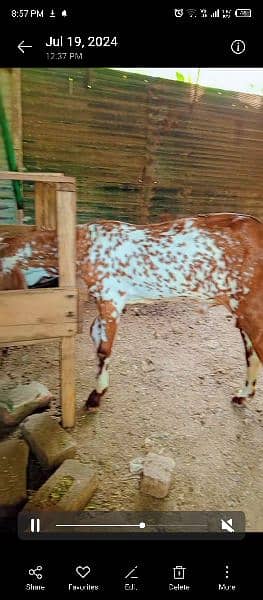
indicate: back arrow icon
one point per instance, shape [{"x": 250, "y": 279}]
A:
[{"x": 21, "y": 47}]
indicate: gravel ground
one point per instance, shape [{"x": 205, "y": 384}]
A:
[{"x": 173, "y": 374}]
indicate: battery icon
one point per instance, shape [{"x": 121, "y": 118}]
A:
[{"x": 243, "y": 12}]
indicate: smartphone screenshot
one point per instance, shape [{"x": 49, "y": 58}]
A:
[{"x": 131, "y": 294}]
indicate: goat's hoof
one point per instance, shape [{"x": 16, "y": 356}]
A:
[
  {"x": 239, "y": 400},
  {"x": 93, "y": 400}
]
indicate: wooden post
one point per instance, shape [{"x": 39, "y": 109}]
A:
[
  {"x": 66, "y": 231},
  {"x": 16, "y": 116},
  {"x": 51, "y": 205},
  {"x": 66, "y": 228},
  {"x": 45, "y": 205},
  {"x": 39, "y": 204},
  {"x": 67, "y": 381}
]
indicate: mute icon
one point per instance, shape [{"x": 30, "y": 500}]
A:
[{"x": 227, "y": 525}]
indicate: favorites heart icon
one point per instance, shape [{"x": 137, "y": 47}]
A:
[{"x": 83, "y": 571}]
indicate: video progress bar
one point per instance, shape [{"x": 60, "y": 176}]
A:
[{"x": 141, "y": 525}]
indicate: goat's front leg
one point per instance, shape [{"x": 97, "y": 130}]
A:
[{"x": 103, "y": 332}]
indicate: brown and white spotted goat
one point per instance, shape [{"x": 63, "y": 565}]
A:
[{"x": 215, "y": 258}]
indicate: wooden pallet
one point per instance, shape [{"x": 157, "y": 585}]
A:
[{"x": 43, "y": 315}]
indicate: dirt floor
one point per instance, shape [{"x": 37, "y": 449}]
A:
[{"x": 173, "y": 374}]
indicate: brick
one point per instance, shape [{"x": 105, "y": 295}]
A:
[
  {"x": 48, "y": 441},
  {"x": 157, "y": 475},
  {"x": 17, "y": 403},
  {"x": 68, "y": 489},
  {"x": 13, "y": 471}
]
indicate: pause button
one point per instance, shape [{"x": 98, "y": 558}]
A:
[{"x": 35, "y": 525}]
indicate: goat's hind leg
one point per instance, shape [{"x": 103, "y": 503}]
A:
[{"x": 253, "y": 365}]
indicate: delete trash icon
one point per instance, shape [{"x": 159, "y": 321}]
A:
[{"x": 178, "y": 572}]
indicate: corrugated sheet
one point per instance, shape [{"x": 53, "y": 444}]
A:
[
  {"x": 142, "y": 148},
  {"x": 7, "y": 196}
]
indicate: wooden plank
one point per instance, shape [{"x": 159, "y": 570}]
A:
[
  {"x": 16, "y": 117},
  {"x": 22, "y": 333},
  {"x": 39, "y": 204},
  {"x": 67, "y": 374},
  {"x": 67, "y": 187},
  {"x": 80, "y": 311},
  {"x": 29, "y": 342},
  {"x": 39, "y": 306},
  {"x": 45, "y": 177},
  {"x": 50, "y": 173},
  {"x": 66, "y": 229},
  {"x": 51, "y": 205},
  {"x": 16, "y": 229},
  {"x": 45, "y": 205}
]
